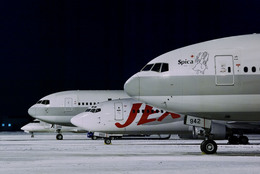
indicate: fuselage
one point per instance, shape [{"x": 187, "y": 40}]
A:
[
  {"x": 128, "y": 116},
  {"x": 60, "y": 107},
  {"x": 40, "y": 126},
  {"x": 218, "y": 79}
]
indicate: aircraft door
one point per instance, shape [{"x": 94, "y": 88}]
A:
[
  {"x": 118, "y": 111},
  {"x": 68, "y": 104},
  {"x": 224, "y": 70}
]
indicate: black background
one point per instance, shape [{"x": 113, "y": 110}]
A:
[{"x": 49, "y": 46}]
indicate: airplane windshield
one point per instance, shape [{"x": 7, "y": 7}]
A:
[
  {"x": 88, "y": 110},
  {"x": 147, "y": 67},
  {"x": 158, "y": 67},
  {"x": 165, "y": 67},
  {"x": 44, "y": 102},
  {"x": 93, "y": 110}
]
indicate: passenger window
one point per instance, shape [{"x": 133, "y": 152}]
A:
[
  {"x": 157, "y": 67},
  {"x": 147, "y": 67},
  {"x": 142, "y": 111},
  {"x": 253, "y": 69},
  {"x": 90, "y": 103},
  {"x": 245, "y": 69},
  {"x": 165, "y": 67},
  {"x": 79, "y": 103},
  {"x": 94, "y": 103},
  {"x": 86, "y": 103},
  {"x": 133, "y": 111},
  {"x": 82, "y": 103},
  {"x": 229, "y": 69}
]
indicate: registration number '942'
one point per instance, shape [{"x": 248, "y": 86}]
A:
[{"x": 197, "y": 121}]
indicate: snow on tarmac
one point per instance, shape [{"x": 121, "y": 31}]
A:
[{"x": 20, "y": 154}]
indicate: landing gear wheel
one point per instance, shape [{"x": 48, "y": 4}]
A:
[
  {"x": 94, "y": 137},
  {"x": 233, "y": 140},
  {"x": 59, "y": 137},
  {"x": 107, "y": 141},
  {"x": 208, "y": 146},
  {"x": 243, "y": 140}
]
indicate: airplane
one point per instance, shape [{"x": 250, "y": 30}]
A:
[
  {"x": 58, "y": 108},
  {"x": 40, "y": 126},
  {"x": 217, "y": 79},
  {"x": 129, "y": 116}
]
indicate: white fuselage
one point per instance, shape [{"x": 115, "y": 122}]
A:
[
  {"x": 40, "y": 126},
  {"x": 60, "y": 107},
  {"x": 128, "y": 116},
  {"x": 218, "y": 79}
]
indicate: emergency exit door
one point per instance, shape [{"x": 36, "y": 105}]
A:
[
  {"x": 224, "y": 70},
  {"x": 118, "y": 111}
]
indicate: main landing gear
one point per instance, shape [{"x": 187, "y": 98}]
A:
[
  {"x": 238, "y": 140},
  {"x": 208, "y": 146}
]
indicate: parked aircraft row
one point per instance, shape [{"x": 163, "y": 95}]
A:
[{"x": 178, "y": 92}]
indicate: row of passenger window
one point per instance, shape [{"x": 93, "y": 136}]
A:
[
  {"x": 148, "y": 111},
  {"x": 87, "y": 103},
  {"x": 253, "y": 69},
  {"x": 44, "y": 102},
  {"x": 157, "y": 67}
]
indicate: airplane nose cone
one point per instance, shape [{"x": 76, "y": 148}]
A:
[
  {"x": 32, "y": 111},
  {"x": 78, "y": 120},
  {"x": 132, "y": 86}
]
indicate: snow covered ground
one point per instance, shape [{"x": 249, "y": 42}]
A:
[{"x": 21, "y": 154}]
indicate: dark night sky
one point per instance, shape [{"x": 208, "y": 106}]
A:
[{"x": 48, "y": 46}]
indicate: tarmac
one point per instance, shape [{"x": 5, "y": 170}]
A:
[{"x": 21, "y": 154}]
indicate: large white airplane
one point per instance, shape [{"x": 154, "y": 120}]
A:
[
  {"x": 58, "y": 108},
  {"x": 218, "y": 79},
  {"x": 129, "y": 116},
  {"x": 40, "y": 126}
]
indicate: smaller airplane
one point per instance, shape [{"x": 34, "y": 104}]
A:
[
  {"x": 40, "y": 126},
  {"x": 58, "y": 108}
]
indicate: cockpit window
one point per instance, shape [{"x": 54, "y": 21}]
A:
[
  {"x": 88, "y": 110},
  {"x": 157, "y": 67},
  {"x": 95, "y": 110},
  {"x": 44, "y": 102},
  {"x": 147, "y": 67},
  {"x": 165, "y": 67}
]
